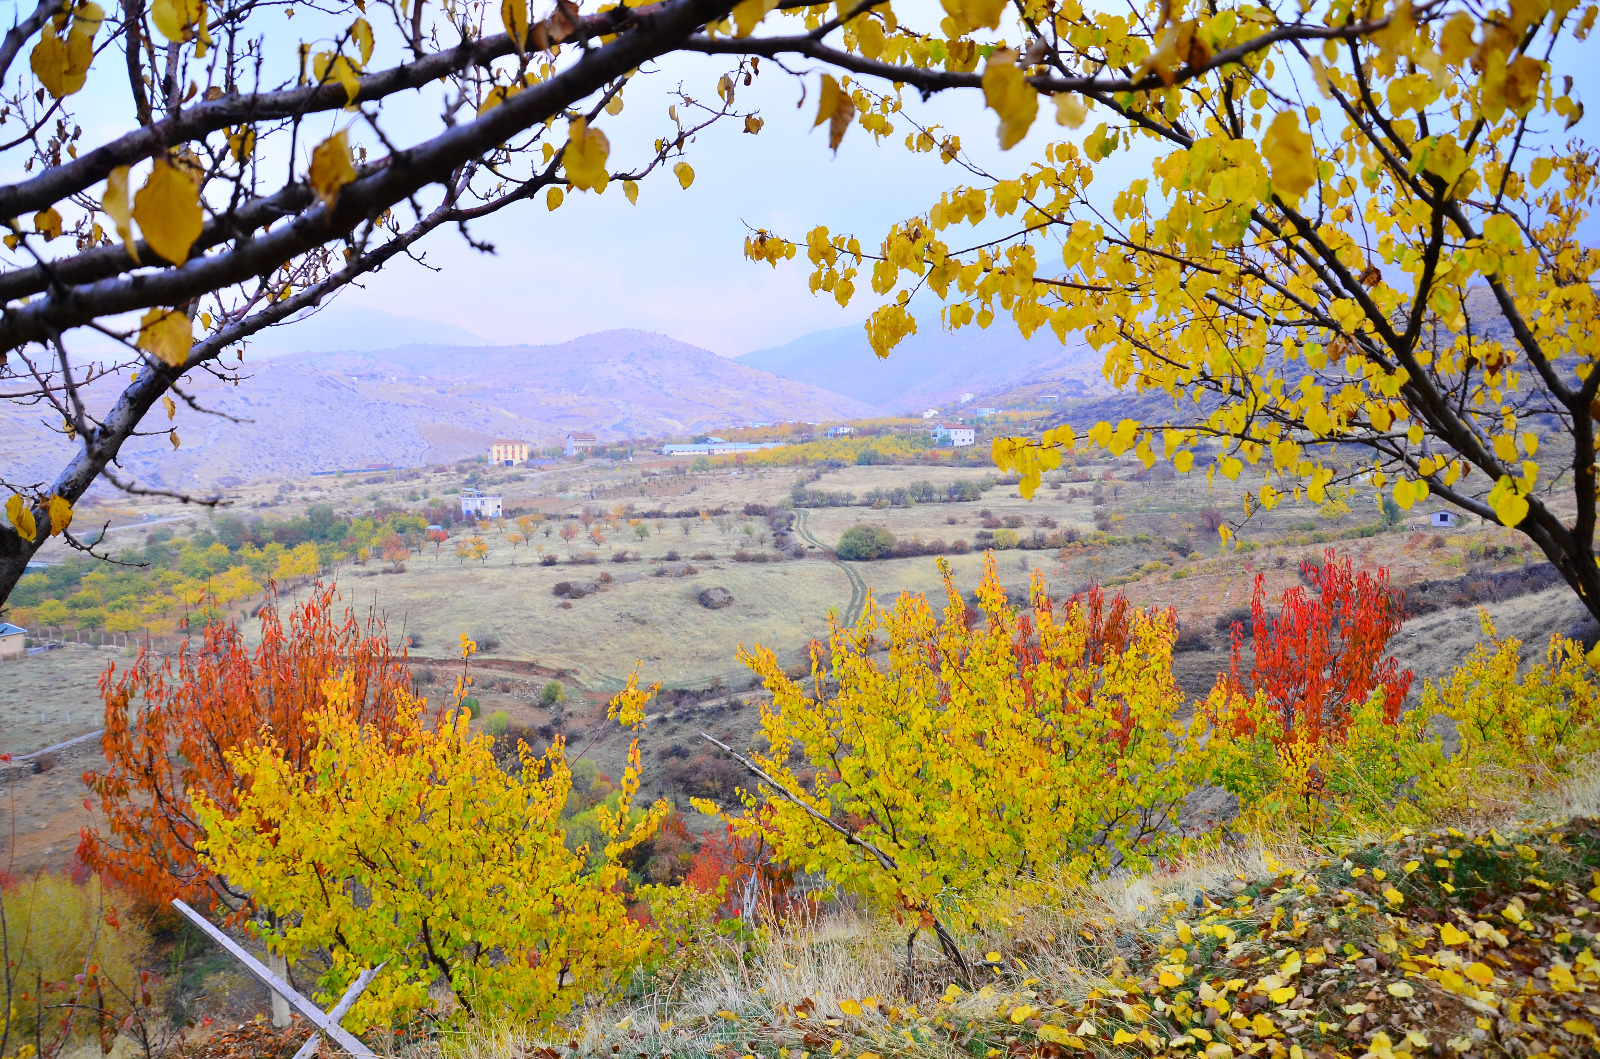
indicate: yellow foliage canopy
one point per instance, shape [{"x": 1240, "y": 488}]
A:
[
  {"x": 416, "y": 847},
  {"x": 1044, "y": 737}
]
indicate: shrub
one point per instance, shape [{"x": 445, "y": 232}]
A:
[
  {"x": 471, "y": 706},
  {"x": 464, "y": 858},
  {"x": 552, "y": 693},
  {"x": 1005, "y": 539},
  {"x": 1323, "y": 652},
  {"x": 548, "y": 560},
  {"x": 497, "y": 724},
  {"x": 486, "y": 639},
  {"x": 1013, "y": 521},
  {"x": 862, "y": 543},
  {"x": 1531, "y": 731},
  {"x": 1046, "y": 737}
]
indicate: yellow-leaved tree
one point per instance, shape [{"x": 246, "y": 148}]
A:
[
  {"x": 1042, "y": 738},
  {"x": 1354, "y": 260},
  {"x": 415, "y": 847}
]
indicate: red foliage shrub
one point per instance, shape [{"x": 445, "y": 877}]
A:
[{"x": 1324, "y": 650}]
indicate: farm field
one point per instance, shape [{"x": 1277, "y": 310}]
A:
[{"x": 647, "y": 613}]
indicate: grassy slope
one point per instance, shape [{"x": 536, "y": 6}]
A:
[{"x": 1480, "y": 940}]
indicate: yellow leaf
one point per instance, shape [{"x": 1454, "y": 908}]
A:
[
  {"x": 47, "y": 223},
  {"x": 992, "y": 957},
  {"x": 1455, "y": 40},
  {"x": 585, "y": 157},
  {"x": 167, "y": 334},
  {"x": 1451, "y": 936},
  {"x": 176, "y": 19},
  {"x": 850, "y": 1007},
  {"x": 631, "y": 189},
  {"x": 835, "y": 107},
  {"x": 172, "y": 436},
  {"x": 172, "y": 409},
  {"x": 242, "y": 143},
  {"x": 1282, "y": 996},
  {"x": 1288, "y": 151},
  {"x": 1403, "y": 990},
  {"x": 1478, "y": 973},
  {"x": 62, "y": 63},
  {"x": 1070, "y": 110},
  {"x": 168, "y": 211},
  {"x": 514, "y": 17},
  {"x": 730, "y": 1016},
  {"x": 60, "y": 511},
  {"x": 1523, "y": 76},
  {"x": 684, "y": 173},
  {"x": 1008, "y": 94},
  {"x": 331, "y": 167},
  {"x": 552, "y": 198},
  {"x": 327, "y": 67},
  {"x": 361, "y": 33},
  {"x": 21, "y": 516},
  {"x": 496, "y": 96},
  {"x": 747, "y": 14}
]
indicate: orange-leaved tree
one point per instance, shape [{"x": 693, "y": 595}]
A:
[
  {"x": 1323, "y": 652},
  {"x": 172, "y": 724}
]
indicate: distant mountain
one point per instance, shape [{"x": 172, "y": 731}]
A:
[
  {"x": 932, "y": 366},
  {"x": 305, "y": 412},
  {"x": 340, "y": 326},
  {"x": 619, "y": 383}
]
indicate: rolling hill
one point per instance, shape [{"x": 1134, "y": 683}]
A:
[
  {"x": 933, "y": 366},
  {"x": 303, "y": 412}
]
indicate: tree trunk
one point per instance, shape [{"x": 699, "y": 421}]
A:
[{"x": 279, "y": 966}]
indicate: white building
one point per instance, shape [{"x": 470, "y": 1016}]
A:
[
  {"x": 968, "y": 398},
  {"x": 13, "y": 640},
  {"x": 717, "y": 447},
  {"x": 930, "y": 413},
  {"x": 479, "y": 506},
  {"x": 955, "y": 437},
  {"x": 577, "y": 443},
  {"x": 1443, "y": 519},
  {"x": 840, "y": 432}
]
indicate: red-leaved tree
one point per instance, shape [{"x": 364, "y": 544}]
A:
[
  {"x": 170, "y": 723},
  {"x": 1324, "y": 650}
]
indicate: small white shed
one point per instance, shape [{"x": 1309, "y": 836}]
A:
[
  {"x": 13, "y": 640},
  {"x": 1444, "y": 519}
]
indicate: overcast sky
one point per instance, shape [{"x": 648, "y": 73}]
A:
[{"x": 675, "y": 262}]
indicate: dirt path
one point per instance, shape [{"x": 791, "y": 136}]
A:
[{"x": 858, "y": 587}]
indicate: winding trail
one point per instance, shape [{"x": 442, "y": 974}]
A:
[{"x": 858, "y": 587}]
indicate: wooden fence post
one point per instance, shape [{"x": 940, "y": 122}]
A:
[{"x": 324, "y": 1022}]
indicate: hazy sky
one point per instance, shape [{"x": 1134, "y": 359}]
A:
[{"x": 674, "y": 263}]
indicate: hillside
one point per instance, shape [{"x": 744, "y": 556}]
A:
[
  {"x": 933, "y": 366},
  {"x": 304, "y": 412}
]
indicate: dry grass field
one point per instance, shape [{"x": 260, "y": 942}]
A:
[{"x": 646, "y": 612}]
